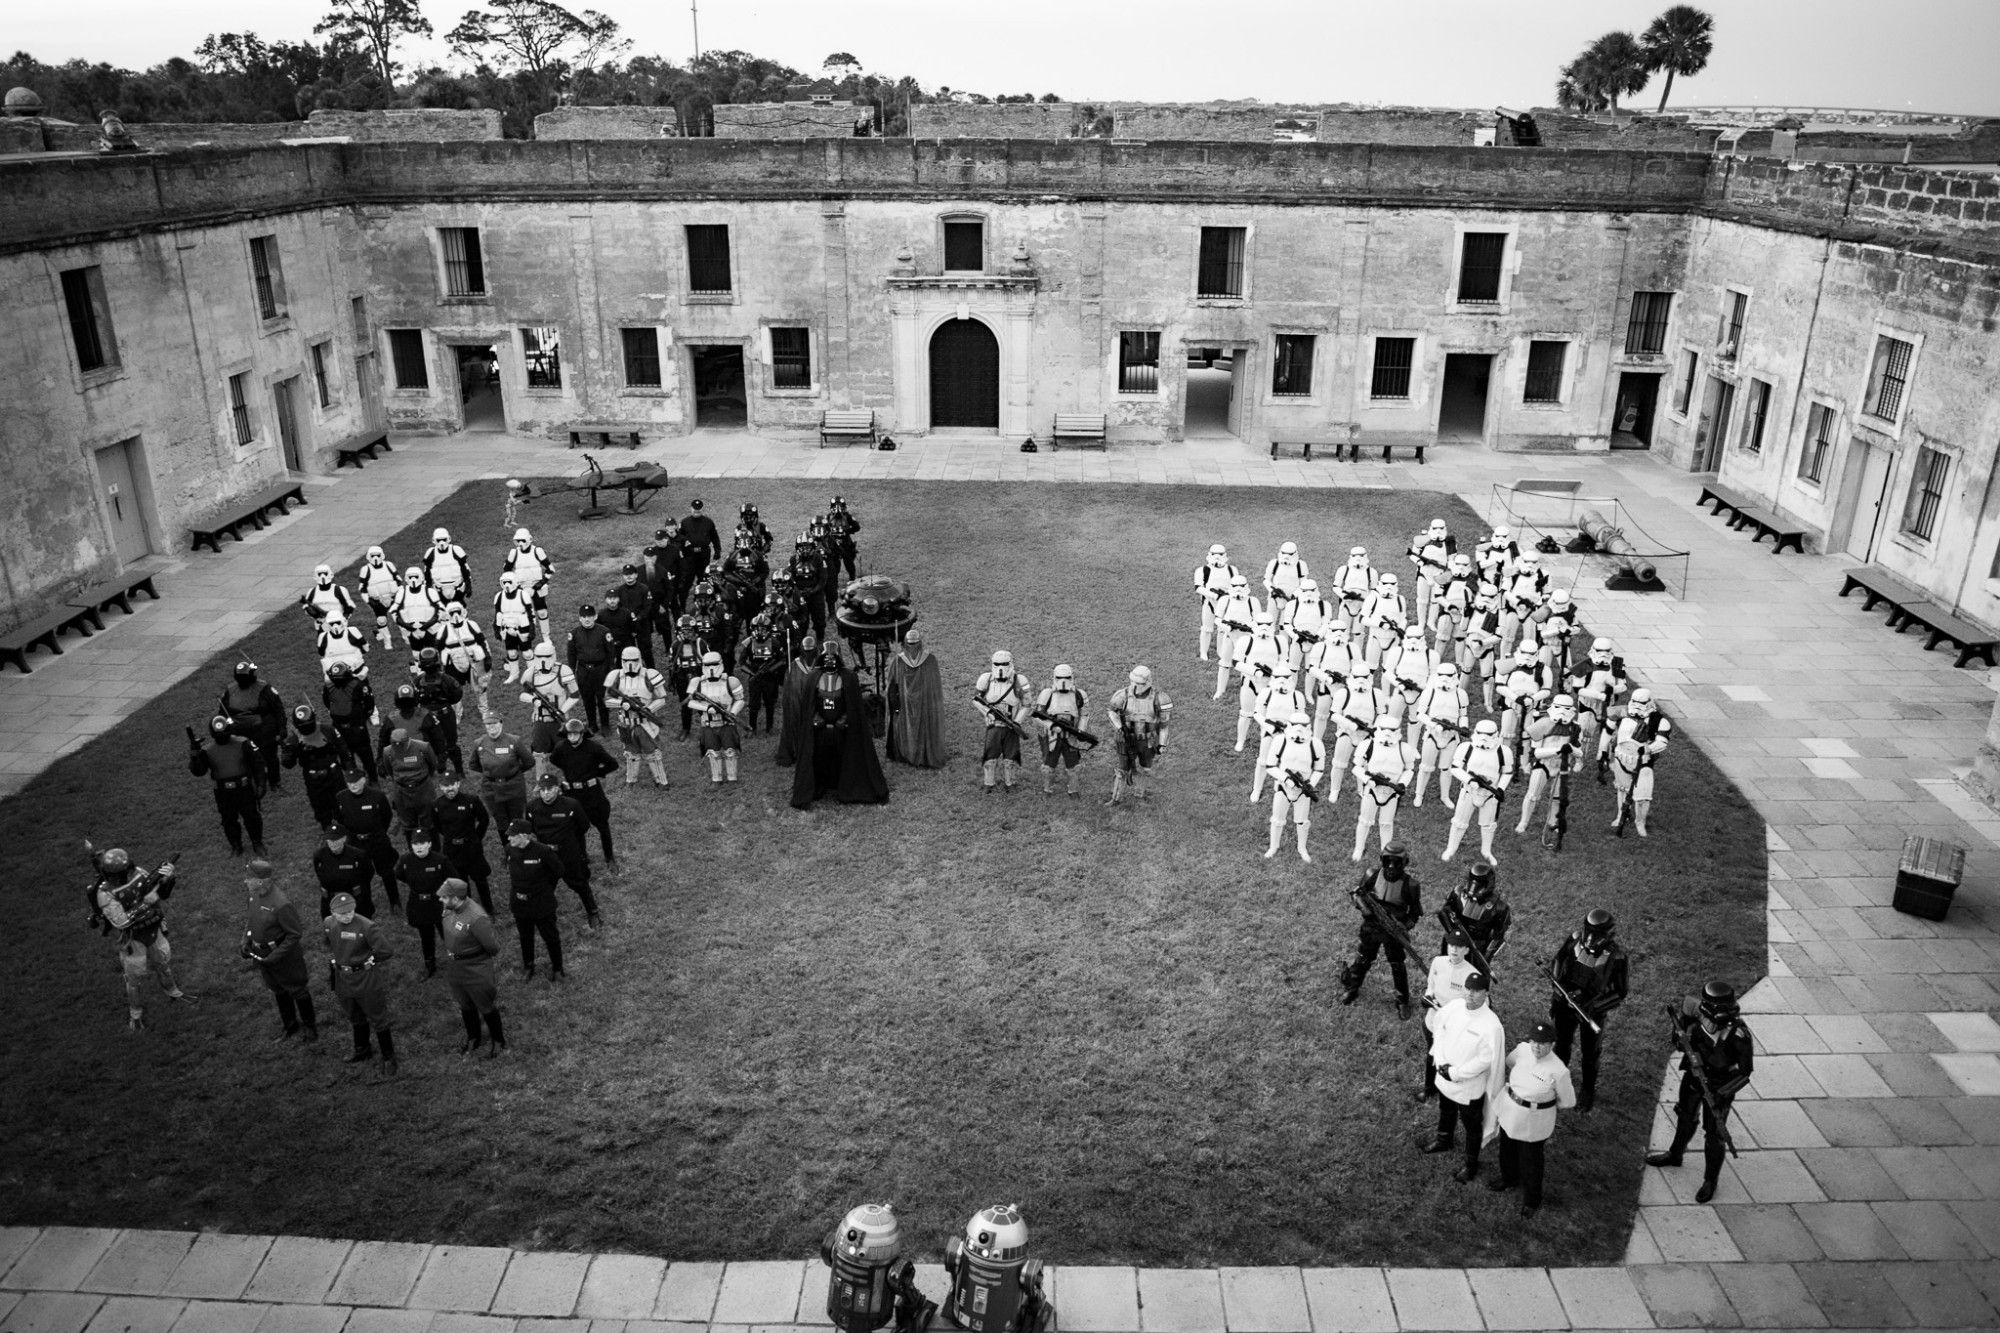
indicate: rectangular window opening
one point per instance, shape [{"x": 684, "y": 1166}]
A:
[
  {"x": 1545, "y": 372},
  {"x": 1220, "y": 272},
  {"x": 1138, "y": 362},
  {"x": 541, "y": 350},
  {"x": 642, "y": 357},
  {"x": 464, "y": 266},
  {"x": 1732, "y": 324},
  {"x": 1754, "y": 419},
  {"x": 1819, "y": 443},
  {"x": 791, "y": 358},
  {"x": 1888, "y": 378},
  {"x": 89, "y": 318},
  {"x": 1690, "y": 366},
  {"x": 239, "y": 408},
  {"x": 321, "y": 376},
  {"x": 708, "y": 258},
  {"x": 964, "y": 247},
  {"x": 358, "y": 311},
  {"x": 1480, "y": 265},
  {"x": 264, "y": 271},
  {"x": 1647, "y": 333},
  {"x": 1292, "y": 367},
  {"x": 1920, "y": 515},
  {"x": 406, "y": 353},
  {"x": 1393, "y": 360}
]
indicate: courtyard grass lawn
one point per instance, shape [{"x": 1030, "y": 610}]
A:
[{"x": 1124, "y": 1019}]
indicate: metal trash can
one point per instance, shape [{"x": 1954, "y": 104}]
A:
[{"x": 1928, "y": 876}]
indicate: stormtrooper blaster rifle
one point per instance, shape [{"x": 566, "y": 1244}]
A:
[
  {"x": 1563, "y": 993},
  {"x": 1499, "y": 793},
  {"x": 543, "y": 703},
  {"x": 1077, "y": 735},
  {"x": 1718, "y": 1115},
  {"x": 1454, "y": 924},
  {"x": 1302, "y": 785},
  {"x": 1372, "y": 907},
  {"x": 996, "y": 718}
]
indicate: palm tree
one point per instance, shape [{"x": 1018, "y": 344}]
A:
[
  {"x": 1614, "y": 64},
  {"x": 1678, "y": 41}
]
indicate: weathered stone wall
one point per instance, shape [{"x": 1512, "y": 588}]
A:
[
  {"x": 788, "y": 120},
  {"x": 608, "y": 122},
  {"x": 998, "y": 120}
]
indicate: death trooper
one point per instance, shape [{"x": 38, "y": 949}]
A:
[
  {"x": 1383, "y": 768},
  {"x": 1451, "y": 605},
  {"x": 1483, "y": 769},
  {"x": 1236, "y": 621},
  {"x": 530, "y": 565},
  {"x": 1283, "y": 576},
  {"x": 1555, "y": 626},
  {"x": 1527, "y": 687},
  {"x": 1408, "y": 670},
  {"x": 342, "y": 644},
  {"x": 379, "y": 586},
  {"x": 1358, "y": 708},
  {"x": 718, "y": 701},
  {"x": 1385, "y": 612},
  {"x": 1641, "y": 737},
  {"x": 637, "y": 698},
  {"x": 1000, "y": 697},
  {"x": 1431, "y": 551},
  {"x": 1441, "y": 715},
  {"x": 514, "y": 622},
  {"x": 1066, "y": 700},
  {"x": 323, "y": 597},
  {"x": 417, "y": 609},
  {"x": 1308, "y": 618},
  {"x": 1282, "y": 705},
  {"x": 1350, "y": 587},
  {"x": 1257, "y": 661},
  {"x": 1521, "y": 597},
  {"x": 1479, "y": 645},
  {"x": 1295, "y": 765},
  {"x": 1212, "y": 581},
  {"x": 462, "y": 646},
  {"x": 1551, "y": 749},
  {"x": 447, "y": 568},
  {"x": 1496, "y": 556},
  {"x": 1323, "y": 671},
  {"x": 1599, "y": 683}
]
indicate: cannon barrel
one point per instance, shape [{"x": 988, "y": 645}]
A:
[{"x": 1612, "y": 542}]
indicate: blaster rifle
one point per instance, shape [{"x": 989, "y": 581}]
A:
[
  {"x": 1373, "y": 908},
  {"x": 1693, "y": 1060},
  {"x": 1299, "y": 780},
  {"x": 543, "y": 701},
  {"x": 1454, "y": 924},
  {"x": 1557, "y": 823},
  {"x": 1076, "y": 734},
  {"x": 194, "y": 741},
  {"x": 996, "y": 718},
  {"x": 1499, "y": 793},
  {"x": 1563, "y": 993}
]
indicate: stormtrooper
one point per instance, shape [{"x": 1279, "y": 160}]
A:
[
  {"x": 1641, "y": 738},
  {"x": 1282, "y": 577},
  {"x": 1451, "y": 605},
  {"x": 530, "y": 565},
  {"x": 462, "y": 646},
  {"x": 1323, "y": 674},
  {"x": 1496, "y": 556},
  {"x": 549, "y": 688},
  {"x": 447, "y": 568},
  {"x": 1385, "y": 612},
  {"x": 637, "y": 698},
  {"x": 1440, "y": 716},
  {"x": 1521, "y": 597},
  {"x": 1383, "y": 768},
  {"x": 1000, "y": 696},
  {"x": 1407, "y": 669},
  {"x": 1282, "y": 707},
  {"x": 417, "y": 609},
  {"x": 1308, "y": 619},
  {"x": 379, "y": 586},
  {"x": 1599, "y": 683},
  {"x": 342, "y": 644},
  {"x": 1431, "y": 552},
  {"x": 1351, "y": 584},
  {"x": 718, "y": 702},
  {"x": 1360, "y": 707},
  {"x": 1555, "y": 626},
  {"x": 1059, "y": 713},
  {"x": 1295, "y": 764},
  {"x": 1482, "y": 769},
  {"x": 1550, "y": 751},
  {"x": 323, "y": 597},
  {"x": 1479, "y": 647},
  {"x": 1526, "y": 688},
  {"x": 1236, "y": 620},
  {"x": 514, "y": 622},
  {"x": 1257, "y": 661},
  {"x": 1140, "y": 714}
]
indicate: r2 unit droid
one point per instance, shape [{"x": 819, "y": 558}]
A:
[
  {"x": 872, "y": 1283},
  {"x": 995, "y": 1286}
]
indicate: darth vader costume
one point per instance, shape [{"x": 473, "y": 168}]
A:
[{"x": 836, "y": 751}]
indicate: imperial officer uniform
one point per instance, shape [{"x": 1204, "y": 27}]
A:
[
  {"x": 461, "y": 823},
  {"x": 470, "y": 946},
  {"x": 1537, "y": 1085},
  {"x": 354, "y": 949},
  {"x": 583, "y": 764},
  {"x": 273, "y": 939},
  {"x": 532, "y": 871}
]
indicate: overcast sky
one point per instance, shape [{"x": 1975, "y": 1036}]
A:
[{"x": 1929, "y": 55}]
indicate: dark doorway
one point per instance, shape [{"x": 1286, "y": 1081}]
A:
[
  {"x": 1632, "y": 418},
  {"x": 965, "y": 377},
  {"x": 479, "y": 388},
  {"x": 1713, "y": 428},
  {"x": 719, "y": 400},
  {"x": 1462, "y": 404},
  {"x": 285, "y": 395},
  {"x": 118, "y": 469},
  {"x": 1211, "y": 394}
]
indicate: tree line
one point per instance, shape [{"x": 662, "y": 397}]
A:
[{"x": 1619, "y": 64}]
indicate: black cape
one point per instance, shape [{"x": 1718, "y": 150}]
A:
[
  {"x": 798, "y": 686},
  {"x": 861, "y": 780}
]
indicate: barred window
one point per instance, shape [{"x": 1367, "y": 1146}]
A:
[
  {"x": 1647, "y": 333},
  {"x": 1920, "y": 514},
  {"x": 406, "y": 352},
  {"x": 541, "y": 350},
  {"x": 464, "y": 267},
  {"x": 1819, "y": 443},
  {"x": 642, "y": 357},
  {"x": 89, "y": 318},
  {"x": 964, "y": 247},
  {"x": 1393, "y": 359},
  {"x": 1753, "y": 420},
  {"x": 708, "y": 258},
  {"x": 1888, "y": 378},
  {"x": 1220, "y": 272},
  {"x": 322, "y": 379},
  {"x": 1138, "y": 362},
  {"x": 1479, "y": 266},
  {"x": 1684, "y": 395},
  {"x": 1545, "y": 372},
  {"x": 1732, "y": 323},
  {"x": 239, "y": 408},
  {"x": 265, "y": 274},
  {"x": 791, "y": 358},
  {"x": 1292, "y": 366}
]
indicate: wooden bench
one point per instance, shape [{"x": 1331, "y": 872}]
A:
[
  {"x": 1908, "y": 606},
  {"x": 98, "y": 598},
  {"x": 17, "y": 643},
  {"x": 845, "y": 425},
  {"x": 1305, "y": 448},
  {"x": 1720, "y": 497},
  {"x": 1747, "y": 513},
  {"x": 606, "y": 436},
  {"x": 1877, "y": 584},
  {"x": 355, "y": 454},
  {"x": 247, "y": 513},
  {"x": 1351, "y": 449},
  {"x": 1080, "y": 427}
]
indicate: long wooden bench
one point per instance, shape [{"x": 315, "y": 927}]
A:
[
  {"x": 1745, "y": 512},
  {"x": 1877, "y": 584},
  {"x": 1305, "y": 448},
  {"x": 1351, "y": 449},
  {"x": 1720, "y": 498},
  {"x": 17, "y": 643},
  {"x": 1908, "y": 606},
  {"x": 247, "y": 513},
  {"x": 606, "y": 435},
  {"x": 355, "y": 454},
  {"x": 100, "y": 597},
  {"x": 1078, "y": 427},
  {"x": 846, "y": 425}
]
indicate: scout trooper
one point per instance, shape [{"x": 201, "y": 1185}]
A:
[
  {"x": 717, "y": 701},
  {"x": 1323, "y": 672},
  {"x": 530, "y": 565},
  {"x": 1257, "y": 660},
  {"x": 637, "y": 697},
  {"x": 1483, "y": 769},
  {"x": 1496, "y": 556},
  {"x": 1283, "y": 576},
  {"x": 1550, "y": 750},
  {"x": 1236, "y": 619},
  {"x": 1282, "y": 705},
  {"x": 462, "y": 645},
  {"x": 1599, "y": 681},
  {"x": 1527, "y": 687},
  {"x": 1521, "y": 596},
  {"x": 1431, "y": 551},
  {"x": 1350, "y": 586},
  {"x": 1383, "y": 767},
  {"x": 1001, "y": 698},
  {"x": 1359, "y": 707},
  {"x": 1212, "y": 580},
  {"x": 343, "y": 644},
  {"x": 417, "y": 608},
  {"x": 1441, "y": 715},
  {"x": 1642, "y": 735},
  {"x": 514, "y": 622},
  {"x": 1295, "y": 766},
  {"x": 378, "y": 584},
  {"x": 1307, "y": 618},
  {"x": 1407, "y": 673},
  {"x": 447, "y": 568},
  {"x": 1385, "y": 612},
  {"x": 323, "y": 597},
  {"x": 1479, "y": 644},
  {"x": 1451, "y": 605},
  {"x": 1555, "y": 626}
]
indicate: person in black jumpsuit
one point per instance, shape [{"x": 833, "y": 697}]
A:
[
  {"x": 559, "y": 821},
  {"x": 584, "y": 764},
  {"x": 322, "y": 760},
  {"x": 461, "y": 821},
  {"x": 350, "y": 703},
  {"x": 1723, "y": 1045},
  {"x": 258, "y": 715},
  {"x": 532, "y": 871},
  {"x": 366, "y": 814},
  {"x": 423, "y": 869},
  {"x": 237, "y": 768}
]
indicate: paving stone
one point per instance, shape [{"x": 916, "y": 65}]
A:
[
  {"x": 1928, "y": 1229},
  {"x": 1768, "y": 1296},
  {"x": 1941, "y": 1295},
  {"x": 302, "y": 1319},
  {"x": 1968, "y": 1032},
  {"x": 1640, "y": 1247},
  {"x": 1925, "y": 1173},
  {"x": 1982, "y": 1218},
  {"x": 14, "y": 1242},
  {"x": 1355, "y": 1300},
  {"x": 1844, "y": 1075},
  {"x": 1786, "y": 1034},
  {"x": 1850, "y": 1174},
  {"x": 541, "y": 1284},
  {"x": 1779, "y": 1124},
  {"x": 218, "y": 1267},
  {"x": 1684, "y": 1296},
  {"x": 1517, "y": 1298},
  {"x": 379, "y": 1272},
  {"x": 1180, "y": 1300},
  {"x": 1980, "y": 1116},
  {"x": 688, "y": 1293},
  {"x": 136, "y": 1314},
  {"x": 1433, "y": 1298},
  {"x": 139, "y": 1262},
  {"x": 1847, "y": 1032},
  {"x": 1097, "y": 1299},
  {"x": 627, "y": 1286},
  {"x": 1776, "y": 1176},
  {"x": 220, "y": 1317},
  {"x": 298, "y": 1269},
  {"x": 1921, "y": 1122},
  {"x": 53, "y": 1312},
  {"x": 1849, "y": 1123},
  {"x": 460, "y": 1277},
  {"x": 1849, "y": 1231},
  {"x": 1914, "y": 1074},
  {"x": 458, "y": 1321},
  {"x": 1768, "y": 1233},
  {"x": 1854, "y": 1295},
  {"x": 1692, "y": 1234},
  {"x": 1976, "y": 1075},
  {"x": 1780, "y": 1076},
  {"x": 388, "y": 1321},
  {"x": 60, "y": 1258},
  {"x": 1265, "y": 1300}
]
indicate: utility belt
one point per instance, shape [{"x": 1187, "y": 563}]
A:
[
  {"x": 587, "y": 782},
  {"x": 233, "y": 784},
  {"x": 412, "y": 784},
  {"x": 355, "y": 967},
  {"x": 481, "y": 956},
  {"x": 1519, "y": 1100}
]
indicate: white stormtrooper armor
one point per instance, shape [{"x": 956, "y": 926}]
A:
[
  {"x": 717, "y": 701},
  {"x": 1382, "y": 609},
  {"x": 1283, "y": 576},
  {"x": 1004, "y": 694},
  {"x": 638, "y": 697},
  {"x": 1358, "y": 709},
  {"x": 1063, "y": 699},
  {"x": 1551, "y": 750},
  {"x": 514, "y": 622},
  {"x": 379, "y": 584},
  {"x": 1599, "y": 683},
  {"x": 1236, "y": 620},
  {"x": 447, "y": 568},
  {"x": 1441, "y": 715},
  {"x": 1323, "y": 670},
  {"x": 1555, "y": 626},
  {"x": 1521, "y": 597},
  {"x": 530, "y": 565},
  {"x": 1525, "y": 689},
  {"x": 1350, "y": 587},
  {"x": 1308, "y": 618},
  {"x": 323, "y": 597},
  {"x": 1257, "y": 660},
  {"x": 1282, "y": 705},
  {"x": 549, "y": 689},
  {"x": 462, "y": 645},
  {"x": 1642, "y": 736},
  {"x": 1483, "y": 769},
  {"x": 417, "y": 608},
  {"x": 1496, "y": 556},
  {"x": 342, "y": 643},
  {"x": 1295, "y": 765},
  {"x": 1383, "y": 768},
  {"x": 1451, "y": 605},
  {"x": 1407, "y": 668},
  {"x": 1479, "y": 645},
  {"x": 1431, "y": 551},
  {"x": 1212, "y": 581}
]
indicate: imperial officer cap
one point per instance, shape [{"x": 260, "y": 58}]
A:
[
  {"x": 453, "y": 888},
  {"x": 631, "y": 568},
  {"x": 258, "y": 869},
  {"x": 520, "y": 827},
  {"x": 343, "y": 902},
  {"x": 585, "y": 611},
  {"x": 335, "y": 832},
  {"x": 1478, "y": 981},
  {"x": 1542, "y": 1032}
]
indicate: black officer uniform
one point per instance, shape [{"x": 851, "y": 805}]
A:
[
  {"x": 345, "y": 871},
  {"x": 422, "y": 875},
  {"x": 699, "y": 538},
  {"x": 1475, "y": 909},
  {"x": 258, "y": 715},
  {"x": 636, "y": 599},
  {"x": 367, "y": 816},
  {"x": 665, "y": 553},
  {"x": 1401, "y": 895},
  {"x": 1592, "y": 967},
  {"x": 1722, "y": 1044},
  {"x": 461, "y": 822},
  {"x": 593, "y": 652},
  {"x": 350, "y": 702},
  {"x": 532, "y": 872},
  {"x": 237, "y": 767},
  {"x": 439, "y": 693},
  {"x": 561, "y": 824},
  {"x": 584, "y": 764},
  {"x": 322, "y": 759}
]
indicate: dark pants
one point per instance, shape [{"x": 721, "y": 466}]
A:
[
  {"x": 469, "y": 860},
  {"x": 1373, "y": 941},
  {"x": 1569, "y": 1027},
  {"x": 763, "y": 693},
  {"x": 447, "y": 721},
  {"x": 1472, "y": 1116},
  {"x": 1687, "y": 1111},
  {"x": 1521, "y": 1164},
  {"x": 286, "y": 980},
  {"x": 597, "y": 807},
  {"x": 506, "y": 803},
  {"x": 590, "y": 686},
  {"x": 381, "y": 854},
  {"x": 427, "y": 938},
  {"x": 320, "y": 795},
  {"x": 551, "y": 936},
  {"x": 359, "y": 743},
  {"x": 576, "y": 874},
  {"x": 241, "y": 813},
  {"x": 267, "y": 745},
  {"x": 642, "y": 639}
]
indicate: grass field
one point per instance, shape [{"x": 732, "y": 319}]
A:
[{"x": 1125, "y": 1019}]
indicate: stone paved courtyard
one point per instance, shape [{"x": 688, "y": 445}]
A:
[{"x": 1868, "y": 1190}]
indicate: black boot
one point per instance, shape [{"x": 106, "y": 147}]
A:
[
  {"x": 388, "y": 1051},
  {"x": 473, "y": 1039},
  {"x": 1671, "y": 1157},
  {"x": 362, "y": 1051},
  {"x": 499, "y": 1042}
]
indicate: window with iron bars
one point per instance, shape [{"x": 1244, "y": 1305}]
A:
[
  {"x": 642, "y": 357},
  {"x": 1647, "y": 333},
  {"x": 1545, "y": 372},
  {"x": 1480, "y": 261},
  {"x": 264, "y": 272},
  {"x": 791, "y": 358},
  {"x": 239, "y": 408},
  {"x": 1292, "y": 365},
  {"x": 1394, "y": 358},
  {"x": 708, "y": 258},
  {"x": 1819, "y": 443},
  {"x": 464, "y": 266},
  {"x": 1888, "y": 378},
  {"x": 1920, "y": 515},
  {"x": 1732, "y": 324},
  {"x": 1138, "y": 362},
  {"x": 541, "y": 350},
  {"x": 321, "y": 379},
  {"x": 1690, "y": 368},
  {"x": 1220, "y": 272},
  {"x": 89, "y": 318},
  {"x": 1754, "y": 419},
  {"x": 406, "y": 354}
]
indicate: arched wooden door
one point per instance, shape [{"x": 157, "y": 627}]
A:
[{"x": 965, "y": 376}]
